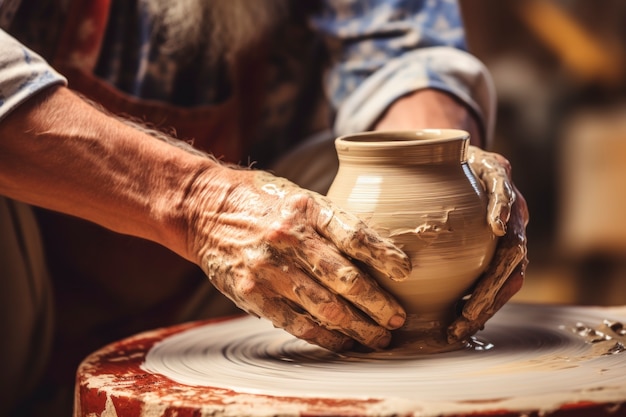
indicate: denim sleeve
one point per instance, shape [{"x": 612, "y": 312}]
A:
[
  {"x": 23, "y": 73},
  {"x": 381, "y": 50}
]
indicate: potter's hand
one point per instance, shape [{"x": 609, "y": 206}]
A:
[
  {"x": 284, "y": 253},
  {"x": 507, "y": 215}
]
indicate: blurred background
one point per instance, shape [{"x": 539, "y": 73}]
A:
[{"x": 560, "y": 72}]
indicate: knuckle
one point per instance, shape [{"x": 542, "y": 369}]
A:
[
  {"x": 351, "y": 282},
  {"x": 334, "y": 314},
  {"x": 277, "y": 231},
  {"x": 246, "y": 286},
  {"x": 505, "y": 163},
  {"x": 301, "y": 201}
]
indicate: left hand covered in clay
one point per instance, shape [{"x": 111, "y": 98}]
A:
[
  {"x": 507, "y": 215},
  {"x": 507, "y": 210}
]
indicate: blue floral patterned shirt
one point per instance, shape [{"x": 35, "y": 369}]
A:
[{"x": 372, "y": 53}]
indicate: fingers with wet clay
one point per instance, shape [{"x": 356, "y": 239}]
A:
[
  {"x": 335, "y": 272},
  {"x": 462, "y": 328},
  {"x": 502, "y": 279},
  {"x": 338, "y": 274},
  {"x": 330, "y": 312},
  {"x": 353, "y": 237},
  {"x": 299, "y": 304},
  {"x": 494, "y": 172},
  {"x": 278, "y": 259},
  {"x": 303, "y": 327}
]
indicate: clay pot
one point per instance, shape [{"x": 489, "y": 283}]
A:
[{"x": 417, "y": 188}]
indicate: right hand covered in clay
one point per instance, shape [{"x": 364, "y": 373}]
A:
[{"x": 284, "y": 253}]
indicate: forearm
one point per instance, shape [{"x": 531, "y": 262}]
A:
[
  {"x": 430, "y": 108},
  {"x": 60, "y": 153}
]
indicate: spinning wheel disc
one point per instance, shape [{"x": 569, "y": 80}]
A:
[{"x": 529, "y": 359}]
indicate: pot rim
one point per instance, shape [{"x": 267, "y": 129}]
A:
[{"x": 402, "y": 138}]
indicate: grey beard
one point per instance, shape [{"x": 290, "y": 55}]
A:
[{"x": 217, "y": 29}]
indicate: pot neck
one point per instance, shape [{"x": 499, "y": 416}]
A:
[{"x": 390, "y": 150}]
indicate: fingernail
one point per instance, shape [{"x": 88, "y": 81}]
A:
[
  {"x": 398, "y": 274},
  {"x": 396, "y": 321},
  {"x": 383, "y": 342}
]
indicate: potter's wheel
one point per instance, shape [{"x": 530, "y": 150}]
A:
[{"x": 531, "y": 358}]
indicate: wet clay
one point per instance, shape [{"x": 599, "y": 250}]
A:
[{"x": 531, "y": 361}]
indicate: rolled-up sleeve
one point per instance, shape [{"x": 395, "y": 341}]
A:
[
  {"x": 23, "y": 74},
  {"x": 381, "y": 50}
]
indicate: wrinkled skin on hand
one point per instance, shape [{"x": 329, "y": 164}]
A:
[
  {"x": 507, "y": 213},
  {"x": 284, "y": 253}
]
